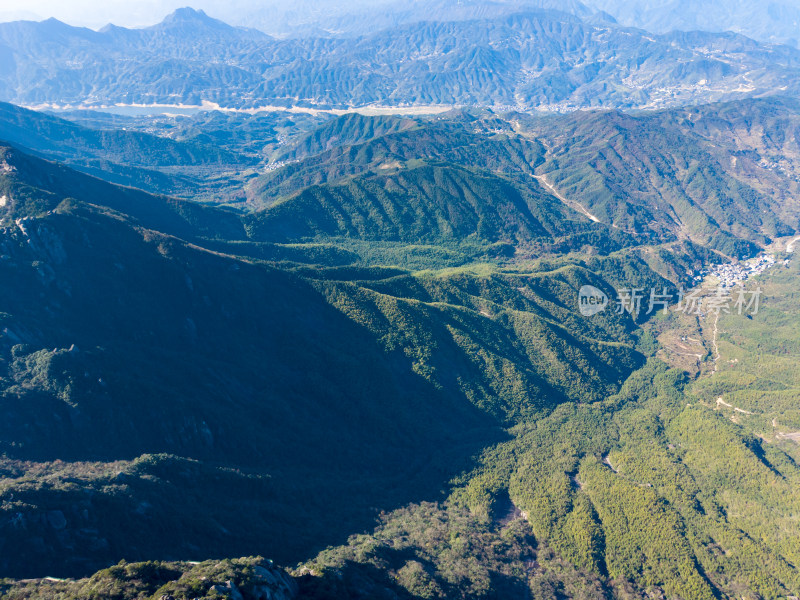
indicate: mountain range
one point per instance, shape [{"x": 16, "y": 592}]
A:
[
  {"x": 358, "y": 328},
  {"x": 774, "y": 22},
  {"x": 389, "y": 319},
  {"x": 144, "y": 294},
  {"x": 543, "y": 60}
]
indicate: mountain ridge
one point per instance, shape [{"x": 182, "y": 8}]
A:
[
  {"x": 379, "y": 368},
  {"x": 133, "y": 313},
  {"x": 546, "y": 60}
]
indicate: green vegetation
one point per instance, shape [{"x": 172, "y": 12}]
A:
[
  {"x": 686, "y": 172},
  {"x": 443, "y": 551},
  {"x": 251, "y": 578},
  {"x": 647, "y": 494},
  {"x": 357, "y": 145},
  {"x": 244, "y": 376},
  {"x": 395, "y": 331}
]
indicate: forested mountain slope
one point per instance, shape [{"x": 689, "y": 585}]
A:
[
  {"x": 127, "y": 347},
  {"x": 391, "y": 332},
  {"x": 660, "y": 168},
  {"x": 728, "y": 183},
  {"x": 190, "y": 168}
]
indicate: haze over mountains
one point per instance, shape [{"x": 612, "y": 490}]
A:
[
  {"x": 775, "y": 22},
  {"x": 535, "y": 60}
]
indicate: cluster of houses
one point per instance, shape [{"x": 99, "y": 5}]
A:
[
  {"x": 278, "y": 165},
  {"x": 736, "y": 273}
]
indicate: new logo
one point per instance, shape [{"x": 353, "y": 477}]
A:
[{"x": 591, "y": 300}]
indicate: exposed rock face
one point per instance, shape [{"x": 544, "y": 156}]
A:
[
  {"x": 278, "y": 585},
  {"x": 243, "y": 579},
  {"x": 230, "y": 590}
]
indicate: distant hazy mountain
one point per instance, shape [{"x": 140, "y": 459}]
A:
[
  {"x": 285, "y": 18},
  {"x": 773, "y": 21},
  {"x": 540, "y": 59},
  {"x": 298, "y": 19}
]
